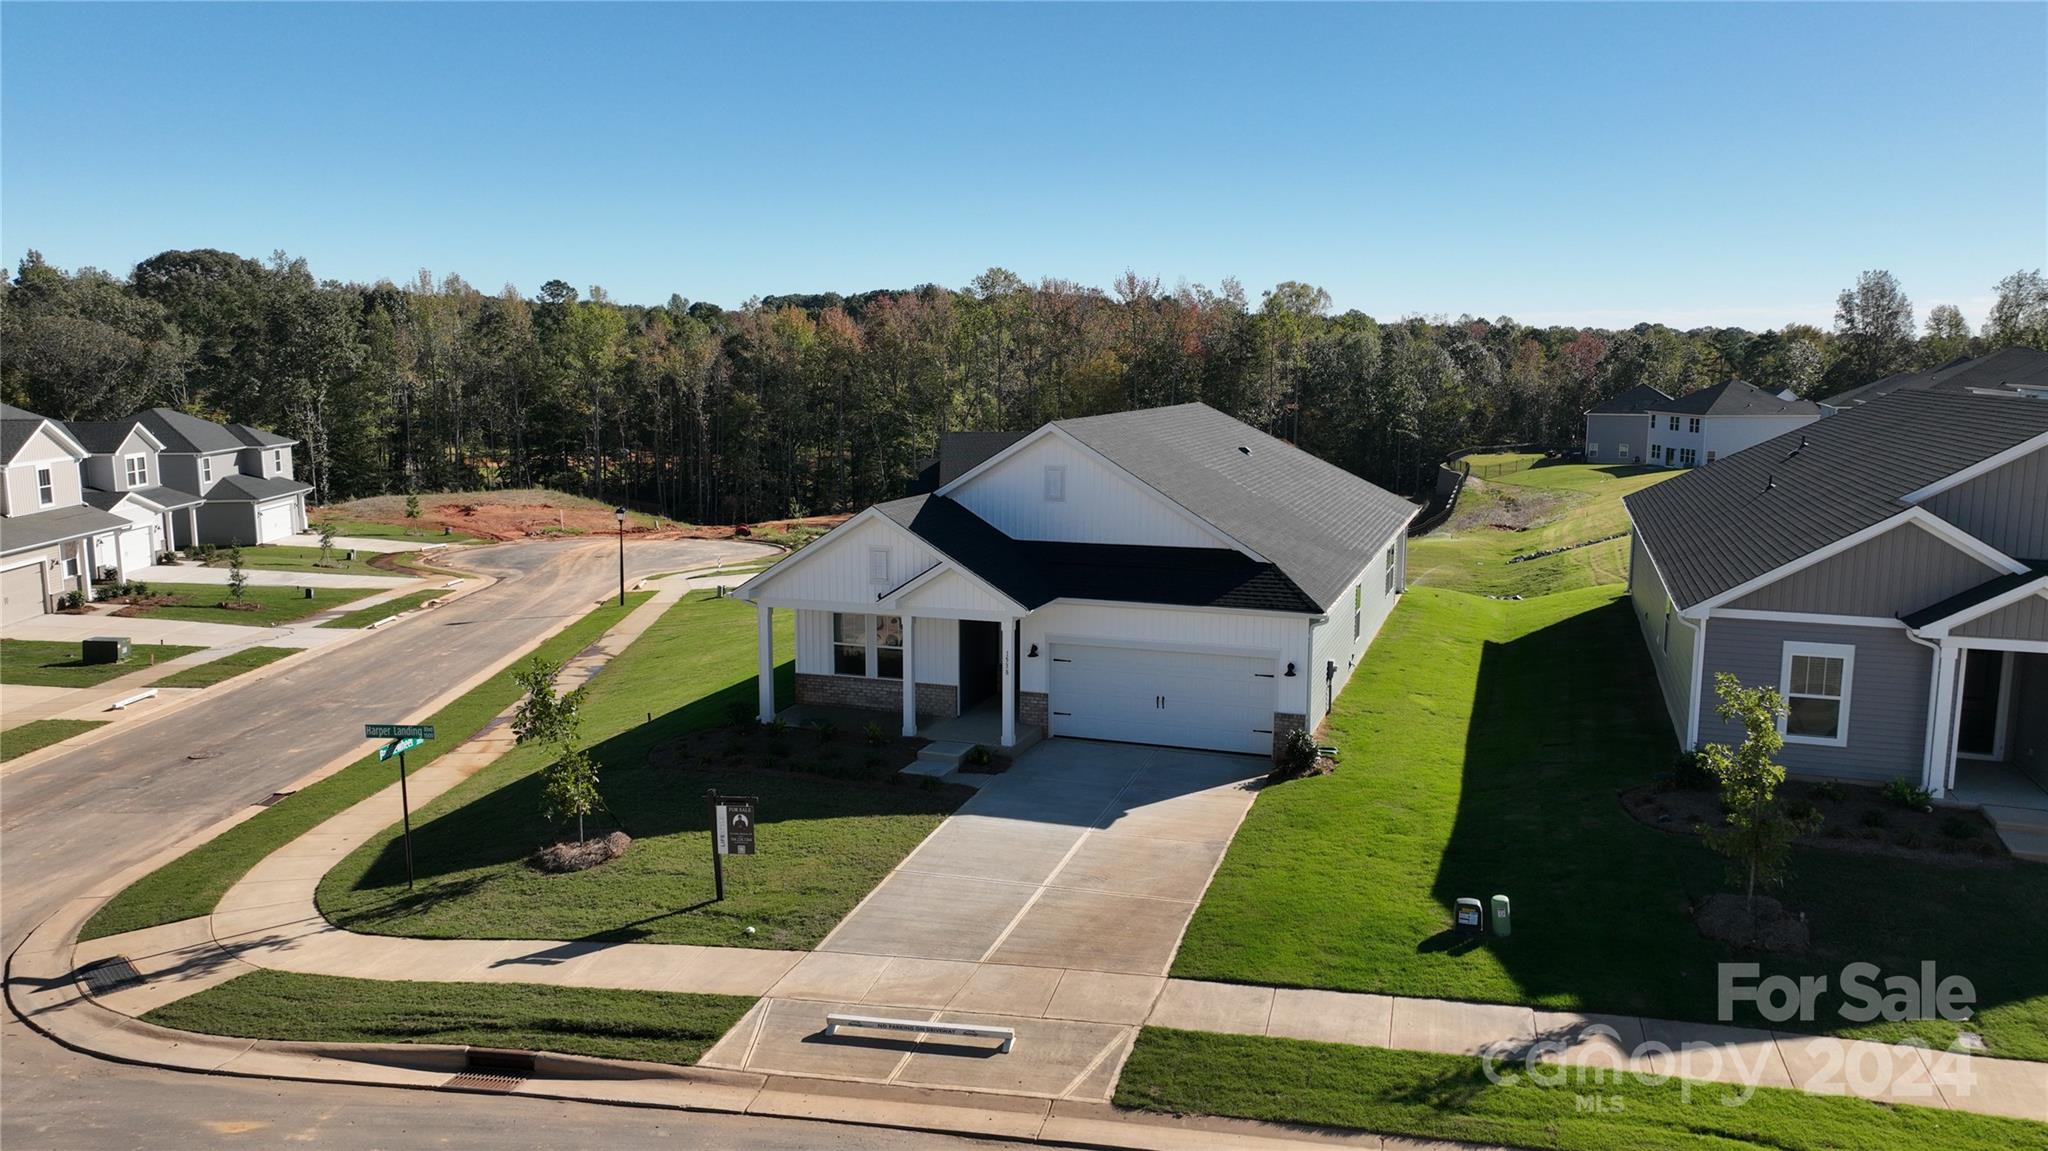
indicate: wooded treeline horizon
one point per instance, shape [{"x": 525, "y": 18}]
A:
[{"x": 809, "y": 404}]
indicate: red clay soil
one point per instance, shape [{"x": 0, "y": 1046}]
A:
[{"x": 496, "y": 520}]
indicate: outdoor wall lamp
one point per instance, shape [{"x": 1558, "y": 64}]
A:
[
  {"x": 1290, "y": 671},
  {"x": 1033, "y": 653}
]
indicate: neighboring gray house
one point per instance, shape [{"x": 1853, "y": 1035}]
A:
[
  {"x": 1618, "y": 430},
  {"x": 1167, "y": 576},
  {"x": 46, "y": 526},
  {"x": 243, "y": 474},
  {"x": 124, "y": 476},
  {"x": 1887, "y": 570},
  {"x": 2008, "y": 371},
  {"x": 1712, "y": 423}
]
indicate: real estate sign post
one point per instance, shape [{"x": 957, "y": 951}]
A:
[
  {"x": 732, "y": 832},
  {"x": 404, "y": 737}
]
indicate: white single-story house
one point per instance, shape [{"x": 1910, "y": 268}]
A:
[{"x": 1168, "y": 576}]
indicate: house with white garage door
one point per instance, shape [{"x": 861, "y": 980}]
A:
[
  {"x": 1168, "y": 576},
  {"x": 47, "y": 529},
  {"x": 242, "y": 474},
  {"x": 123, "y": 476}
]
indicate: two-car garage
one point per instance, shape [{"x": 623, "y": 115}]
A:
[{"x": 1207, "y": 700}]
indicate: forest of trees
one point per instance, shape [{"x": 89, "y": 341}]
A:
[{"x": 810, "y": 404}]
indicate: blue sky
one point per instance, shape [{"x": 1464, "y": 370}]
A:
[{"x": 1576, "y": 163}]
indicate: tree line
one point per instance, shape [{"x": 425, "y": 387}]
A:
[{"x": 808, "y": 404}]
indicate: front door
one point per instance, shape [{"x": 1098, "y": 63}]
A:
[
  {"x": 981, "y": 662},
  {"x": 1978, "y": 729}
]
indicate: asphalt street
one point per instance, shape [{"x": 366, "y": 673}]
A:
[{"x": 70, "y": 821}]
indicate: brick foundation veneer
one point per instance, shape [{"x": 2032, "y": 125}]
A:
[
  {"x": 874, "y": 694},
  {"x": 1031, "y": 710},
  {"x": 1285, "y": 724}
]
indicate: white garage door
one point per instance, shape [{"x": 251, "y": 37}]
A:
[
  {"x": 136, "y": 551},
  {"x": 1179, "y": 699},
  {"x": 273, "y": 522},
  {"x": 21, "y": 594}
]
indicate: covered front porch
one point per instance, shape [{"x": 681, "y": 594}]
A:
[{"x": 1988, "y": 742}]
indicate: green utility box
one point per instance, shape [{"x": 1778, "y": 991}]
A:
[
  {"x": 1501, "y": 926},
  {"x": 103, "y": 649}
]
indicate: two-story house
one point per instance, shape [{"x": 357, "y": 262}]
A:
[
  {"x": 1168, "y": 576},
  {"x": 123, "y": 477},
  {"x": 1712, "y": 423},
  {"x": 1618, "y": 429},
  {"x": 46, "y": 527},
  {"x": 242, "y": 474},
  {"x": 1886, "y": 569}
]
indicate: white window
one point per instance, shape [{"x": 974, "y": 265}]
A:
[
  {"x": 849, "y": 644},
  {"x": 1687, "y": 457},
  {"x": 1693, "y": 425},
  {"x": 878, "y": 566},
  {"x": 1592, "y": 449},
  {"x": 46, "y": 487},
  {"x": 1623, "y": 453},
  {"x": 138, "y": 471},
  {"x": 1056, "y": 484},
  {"x": 1357, "y": 610},
  {"x": 70, "y": 567},
  {"x": 1674, "y": 423},
  {"x": 1393, "y": 571},
  {"x": 1656, "y": 451},
  {"x": 277, "y": 460},
  {"x": 205, "y": 470},
  {"x": 1815, "y": 681},
  {"x": 1710, "y": 455},
  {"x": 870, "y": 646}
]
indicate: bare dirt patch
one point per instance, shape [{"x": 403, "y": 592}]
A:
[
  {"x": 1506, "y": 507},
  {"x": 1727, "y": 919},
  {"x": 536, "y": 513}
]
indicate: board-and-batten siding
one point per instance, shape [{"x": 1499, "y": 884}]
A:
[
  {"x": 1887, "y": 694},
  {"x": 1672, "y": 659},
  {"x": 2027, "y": 619},
  {"x": 2006, "y": 507},
  {"x": 1281, "y": 638},
  {"x": 1100, "y": 504},
  {"x": 1903, "y": 570},
  {"x": 836, "y": 569},
  {"x": 935, "y": 655},
  {"x": 1333, "y": 640}
]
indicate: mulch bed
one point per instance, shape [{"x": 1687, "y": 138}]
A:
[
  {"x": 1862, "y": 821},
  {"x": 1727, "y": 918},
  {"x": 562, "y": 858},
  {"x": 832, "y": 753}
]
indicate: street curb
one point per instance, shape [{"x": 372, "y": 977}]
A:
[{"x": 186, "y": 696}]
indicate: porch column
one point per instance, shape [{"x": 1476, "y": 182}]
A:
[
  {"x": 86, "y": 570},
  {"x": 1009, "y": 683},
  {"x": 909, "y": 682},
  {"x": 764, "y": 639},
  {"x": 1942, "y": 741},
  {"x": 192, "y": 523}
]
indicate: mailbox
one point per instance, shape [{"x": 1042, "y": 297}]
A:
[
  {"x": 1469, "y": 918},
  {"x": 1501, "y": 925}
]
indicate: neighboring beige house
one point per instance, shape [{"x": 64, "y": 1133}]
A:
[{"x": 46, "y": 525}]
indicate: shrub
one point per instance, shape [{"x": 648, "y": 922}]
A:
[
  {"x": 1803, "y": 810},
  {"x": 1903, "y": 792},
  {"x": 1959, "y": 827},
  {"x": 826, "y": 729},
  {"x": 978, "y": 756},
  {"x": 1829, "y": 790},
  {"x": 1689, "y": 773},
  {"x": 71, "y": 601},
  {"x": 1297, "y": 756},
  {"x": 874, "y": 734}
]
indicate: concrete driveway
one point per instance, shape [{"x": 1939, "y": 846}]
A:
[{"x": 1052, "y": 903}]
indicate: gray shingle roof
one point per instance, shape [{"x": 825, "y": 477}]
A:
[
  {"x": 17, "y": 427},
  {"x": 1735, "y": 398},
  {"x": 2005, "y": 369},
  {"x": 20, "y": 533},
  {"x": 101, "y": 436},
  {"x": 1318, "y": 524},
  {"x": 1717, "y": 527},
  {"x": 238, "y": 487},
  {"x": 1035, "y": 572},
  {"x": 962, "y": 452},
  {"x": 185, "y": 434},
  {"x": 167, "y": 498},
  {"x": 1964, "y": 600},
  {"x": 260, "y": 438},
  {"x": 1640, "y": 398}
]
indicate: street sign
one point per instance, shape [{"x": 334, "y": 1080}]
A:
[
  {"x": 399, "y": 748},
  {"x": 398, "y": 731},
  {"x": 735, "y": 825}
]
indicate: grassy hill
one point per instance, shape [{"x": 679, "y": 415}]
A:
[{"x": 1535, "y": 510}]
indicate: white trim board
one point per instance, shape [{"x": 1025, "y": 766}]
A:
[
  {"x": 1807, "y": 617},
  {"x": 1941, "y": 628}
]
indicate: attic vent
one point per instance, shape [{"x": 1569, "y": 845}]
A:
[
  {"x": 1244, "y": 449},
  {"x": 1770, "y": 483}
]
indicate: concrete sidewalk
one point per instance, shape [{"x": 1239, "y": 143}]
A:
[
  {"x": 266, "y": 577},
  {"x": 363, "y": 543}
]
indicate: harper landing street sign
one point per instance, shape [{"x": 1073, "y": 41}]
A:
[{"x": 398, "y": 731}]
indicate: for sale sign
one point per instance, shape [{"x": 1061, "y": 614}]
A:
[{"x": 735, "y": 825}]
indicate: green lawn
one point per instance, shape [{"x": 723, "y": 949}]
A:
[
  {"x": 263, "y": 606},
  {"x": 823, "y": 842},
  {"x": 287, "y": 557},
  {"x": 194, "y": 882},
  {"x": 37, "y": 734},
  {"x": 375, "y": 530},
  {"x": 227, "y": 667},
  {"x": 1484, "y": 743},
  {"x": 364, "y": 617},
  {"x": 55, "y": 663},
  {"x": 656, "y": 1026},
  {"x": 1450, "y": 1097},
  {"x": 1560, "y": 504}
]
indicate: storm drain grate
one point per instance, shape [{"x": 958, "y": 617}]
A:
[
  {"x": 480, "y": 1082},
  {"x": 273, "y": 797},
  {"x": 110, "y": 974}
]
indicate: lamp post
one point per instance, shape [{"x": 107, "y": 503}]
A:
[{"x": 621, "y": 514}]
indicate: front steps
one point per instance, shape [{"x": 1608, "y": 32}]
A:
[{"x": 2024, "y": 830}]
